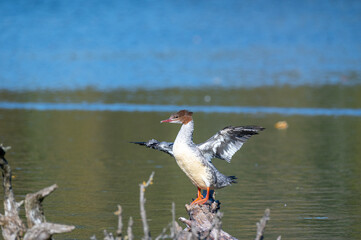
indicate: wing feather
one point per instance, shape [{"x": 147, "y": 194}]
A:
[
  {"x": 166, "y": 147},
  {"x": 225, "y": 143}
]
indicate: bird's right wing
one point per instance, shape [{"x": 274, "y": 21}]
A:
[{"x": 166, "y": 147}]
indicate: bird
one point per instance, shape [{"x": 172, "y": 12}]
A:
[{"x": 196, "y": 159}]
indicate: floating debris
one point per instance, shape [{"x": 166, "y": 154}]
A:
[{"x": 281, "y": 125}]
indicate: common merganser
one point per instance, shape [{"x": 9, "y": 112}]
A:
[{"x": 195, "y": 160}]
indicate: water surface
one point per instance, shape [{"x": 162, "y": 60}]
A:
[
  {"x": 71, "y": 45},
  {"x": 308, "y": 175}
]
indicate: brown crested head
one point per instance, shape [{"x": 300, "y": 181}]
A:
[{"x": 182, "y": 117}]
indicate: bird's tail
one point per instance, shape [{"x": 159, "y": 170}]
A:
[
  {"x": 224, "y": 181},
  {"x": 231, "y": 179}
]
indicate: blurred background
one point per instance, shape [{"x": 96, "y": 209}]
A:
[{"x": 80, "y": 79}]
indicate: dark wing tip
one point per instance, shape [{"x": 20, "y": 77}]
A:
[
  {"x": 252, "y": 130},
  {"x": 232, "y": 179},
  {"x": 139, "y": 143},
  {"x": 245, "y": 128},
  {"x": 261, "y": 128},
  {"x": 255, "y": 128}
]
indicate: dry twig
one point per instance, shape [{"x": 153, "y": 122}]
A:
[
  {"x": 142, "y": 201},
  {"x": 120, "y": 223},
  {"x": 261, "y": 225},
  {"x": 129, "y": 231}
]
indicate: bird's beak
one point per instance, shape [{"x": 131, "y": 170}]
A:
[{"x": 167, "y": 120}]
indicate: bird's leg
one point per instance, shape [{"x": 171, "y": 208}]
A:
[
  {"x": 202, "y": 200},
  {"x": 199, "y": 197}
]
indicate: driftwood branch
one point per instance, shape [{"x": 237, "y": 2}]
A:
[
  {"x": 129, "y": 230},
  {"x": 34, "y": 208},
  {"x": 120, "y": 223},
  {"x": 38, "y": 227},
  {"x": 174, "y": 228},
  {"x": 119, "y": 234},
  {"x": 11, "y": 224},
  {"x": 44, "y": 231},
  {"x": 142, "y": 200},
  {"x": 261, "y": 225}
]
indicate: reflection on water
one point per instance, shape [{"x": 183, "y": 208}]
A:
[{"x": 308, "y": 174}]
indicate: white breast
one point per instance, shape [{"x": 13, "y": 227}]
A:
[{"x": 188, "y": 160}]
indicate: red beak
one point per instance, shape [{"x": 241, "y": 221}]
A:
[{"x": 167, "y": 120}]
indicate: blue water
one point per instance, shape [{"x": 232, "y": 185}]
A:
[
  {"x": 126, "y": 107},
  {"x": 57, "y": 45}
]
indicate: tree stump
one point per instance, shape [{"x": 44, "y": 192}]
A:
[
  {"x": 11, "y": 224},
  {"x": 204, "y": 222}
]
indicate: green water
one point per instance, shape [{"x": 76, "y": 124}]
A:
[{"x": 308, "y": 175}]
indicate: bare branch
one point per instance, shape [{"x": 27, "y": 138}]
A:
[
  {"x": 108, "y": 236},
  {"x": 44, "y": 231},
  {"x": 142, "y": 200},
  {"x": 162, "y": 235},
  {"x": 261, "y": 225},
  {"x": 173, "y": 229},
  {"x": 120, "y": 223},
  {"x": 33, "y": 205},
  {"x": 129, "y": 231},
  {"x": 185, "y": 221}
]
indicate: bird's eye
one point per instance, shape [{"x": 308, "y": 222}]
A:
[{"x": 175, "y": 116}]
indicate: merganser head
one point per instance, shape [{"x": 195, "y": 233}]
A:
[{"x": 181, "y": 117}]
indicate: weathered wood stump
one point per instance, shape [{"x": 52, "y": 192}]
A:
[
  {"x": 11, "y": 224},
  {"x": 204, "y": 222}
]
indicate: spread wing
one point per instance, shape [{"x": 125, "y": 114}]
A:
[
  {"x": 166, "y": 147},
  {"x": 225, "y": 143}
]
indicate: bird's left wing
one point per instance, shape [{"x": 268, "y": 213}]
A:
[
  {"x": 225, "y": 143},
  {"x": 166, "y": 147}
]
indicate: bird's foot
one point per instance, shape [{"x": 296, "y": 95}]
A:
[
  {"x": 200, "y": 201},
  {"x": 197, "y": 199}
]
